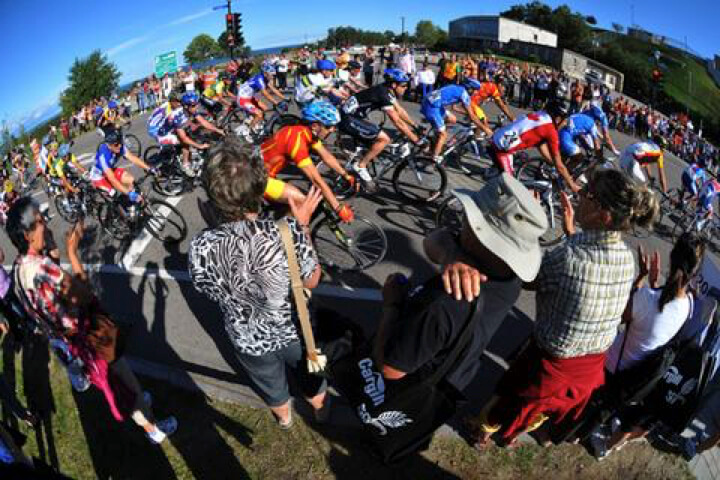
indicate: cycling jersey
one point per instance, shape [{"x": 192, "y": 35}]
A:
[
  {"x": 527, "y": 132},
  {"x": 57, "y": 168},
  {"x": 433, "y": 106},
  {"x": 707, "y": 194},
  {"x": 164, "y": 120},
  {"x": 306, "y": 88},
  {"x": 290, "y": 143},
  {"x": 215, "y": 90},
  {"x": 254, "y": 85},
  {"x": 106, "y": 115},
  {"x": 638, "y": 154},
  {"x": 43, "y": 159},
  {"x": 488, "y": 91},
  {"x": 105, "y": 159},
  {"x": 695, "y": 172},
  {"x": 598, "y": 114},
  {"x": 578, "y": 126},
  {"x": 373, "y": 98}
]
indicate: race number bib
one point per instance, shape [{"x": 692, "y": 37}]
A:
[
  {"x": 509, "y": 140},
  {"x": 434, "y": 98},
  {"x": 351, "y": 105}
]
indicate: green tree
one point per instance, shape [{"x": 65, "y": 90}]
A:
[
  {"x": 91, "y": 77},
  {"x": 202, "y": 47},
  {"x": 571, "y": 27},
  {"x": 222, "y": 43},
  {"x": 429, "y": 34}
]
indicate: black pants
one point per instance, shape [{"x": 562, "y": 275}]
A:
[
  {"x": 368, "y": 78},
  {"x": 282, "y": 80}
]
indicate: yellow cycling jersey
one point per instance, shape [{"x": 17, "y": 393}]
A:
[
  {"x": 56, "y": 167},
  {"x": 215, "y": 90}
]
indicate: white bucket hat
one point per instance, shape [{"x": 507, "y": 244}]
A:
[{"x": 508, "y": 221}]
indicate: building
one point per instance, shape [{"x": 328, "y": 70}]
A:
[
  {"x": 583, "y": 68},
  {"x": 494, "y": 32},
  {"x": 645, "y": 36}
]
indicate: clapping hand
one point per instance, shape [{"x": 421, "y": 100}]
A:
[
  {"x": 303, "y": 210},
  {"x": 568, "y": 214}
]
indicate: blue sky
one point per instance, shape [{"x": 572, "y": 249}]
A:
[{"x": 41, "y": 38}]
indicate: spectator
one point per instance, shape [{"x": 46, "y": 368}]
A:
[
  {"x": 241, "y": 264},
  {"x": 369, "y": 66},
  {"x": 501, "y": 227},
  {"x": 167, "y": 85},
  {"x": 425, "y": 80},
  {"x": 209, "y": 78},
  {"x": 282, "y": 65},
  {"x": 141, "y": 99},
  {"x": 189, "y": 80},
  {"x": 70, "y": 314},
  {"x": 449, "y": 72}
]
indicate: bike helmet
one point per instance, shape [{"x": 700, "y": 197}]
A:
[
  {"x": 556, "y": 108},
  {"x": 395, "y": 75},
  {"x": 353, "y": 65},
  {"x": 268, "y": 69},
  {"x": 190, "y": 99},
  {"x": 326, "y": 65},
  {"x": 323, "y": 112},
  {"x": 64, "y": 150},
  {"x": 112, "y": 104},
  {"x": 113, "y": 137},
  {"x": 660, "y": 141},
  {"x": 472, "y": 83}
]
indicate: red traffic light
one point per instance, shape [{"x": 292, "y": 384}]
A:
[{"x": 230, "y": 22}]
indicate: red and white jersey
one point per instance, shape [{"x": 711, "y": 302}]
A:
[{"x": 527, "y": 132}]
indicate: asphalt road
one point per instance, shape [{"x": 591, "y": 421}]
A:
[{"x": 147, "y": 283}]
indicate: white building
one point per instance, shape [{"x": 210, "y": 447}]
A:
[{"x": 490, "y": 31}]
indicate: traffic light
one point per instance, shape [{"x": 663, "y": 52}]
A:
[
  {"x": 237, "y": 28},
  {"x": 657, "y": 76},
  {"x": 230, "y": 28}
]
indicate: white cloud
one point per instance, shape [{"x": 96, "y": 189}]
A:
[
  {"x": 190, "y": 18},
  {"x": 125, "y": 45}
]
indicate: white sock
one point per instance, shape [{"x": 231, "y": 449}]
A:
[{"x": 157, "y": 435}]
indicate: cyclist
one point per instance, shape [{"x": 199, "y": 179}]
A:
[
  {"x": 108, "y": 117},
  {"x": 49, "y": 148},
  {"x": 66, "y": 163},
  {"x": 193, "y": 119},
  {"x": 707, "y": 194},
  {"x": 693, "y": 177},
  {"x": 352, "y": 78},
  {"x": 293, "y": 143},
  {"x": 488, "y": 91},
  {"x": 106, "y": 176},
  {"x": 219, "y": 91},
  {"x": 320, "y": 82},
  {"x": 636, "y": 158},
  {"x": 433, "y": 109},
  {"x": 382, "y": 96},
  {"x": 536, "y": 129},
  {"x": 261, "y": 83},
  {"x": 167, "y": 125},
  {"x": 596, "y": 112},
  {"x": 579, "y": 128}
]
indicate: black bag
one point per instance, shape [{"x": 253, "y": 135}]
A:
[{"x": 401, "y": 418}]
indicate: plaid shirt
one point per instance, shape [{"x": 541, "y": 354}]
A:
[{"x": 583, "y": 287}]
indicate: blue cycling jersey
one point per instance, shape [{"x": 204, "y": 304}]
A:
[
  {"x": 695, "y": 172},
  {"x": 448, "y": 95},
  {"x": 164, "y": 120},
  {"x": 105, "y": 159},
  {"x": 707, "y": 194},
  {"x": 580, "y": 125},
  {"x": 255, "y": 84},
  {"x": 597, "y": 113}
]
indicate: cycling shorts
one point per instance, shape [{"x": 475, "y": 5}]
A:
[
  {"x": 688, "y": 184},
  {"x": 274, "y": 189},
  {"x": 169, "y": 139},
  {"x": 479, "y": 112},
  {"x": 503, "y": 161},
  {"x": 434, "y": 115},
  {"x": 105, "y": 185},
  {"x": 250, "y": 105},
  {"x": 568, "y": 147},
  {"x": 359, "y": 129}
]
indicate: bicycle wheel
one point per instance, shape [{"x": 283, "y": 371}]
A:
[
  {"x": 132, "y": 144},
  {"x": 419, "y": 179},
  {"x": 282, "y": 121},
  {"x": 342, "y": 189},
  {"x": 114, "y": 221},
  {"x": 68, "y": 207},
  {"x": 233, "y": 122},
  {"x": 164, "y": 221},
  {"x": 450, "y": 215},
  {"x": 348, "y": 246}
]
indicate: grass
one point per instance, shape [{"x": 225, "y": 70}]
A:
[{"x": 218, "y": 440}]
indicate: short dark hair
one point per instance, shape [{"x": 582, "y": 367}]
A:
[
  {"x": 20, "y": 220},
  {"x": 234, "y": 179}
]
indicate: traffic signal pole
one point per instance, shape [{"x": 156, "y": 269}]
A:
[{"x": 232, "y": 31}]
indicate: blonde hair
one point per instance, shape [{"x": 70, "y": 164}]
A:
[{"x": 629, "y": 203}]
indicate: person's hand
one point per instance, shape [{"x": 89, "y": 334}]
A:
[
  {"x": 654, "y": 273},
  {"x": 74, "y": 235},
  {"x": 303, "y": 210},
  {"x": 462, "y": 280},
  {"x": 204, "y": 146},
  {"x": 345, "y": 213},
  {"x": 4, "y": 326},
  {"x": 31, "y": 420},
  {"x": 643, "y": 262},
  {"x": 574, "y": 187},
  {"x": 395, "y": 289},
  {"x": 568, "y": 214}
]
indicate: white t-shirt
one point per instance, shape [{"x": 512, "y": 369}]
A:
[
  {"x": 426, "y": 77},
  {"x": 189, "y": 82},
  {"x": 649, "y": 329},
  {"x": 282, "y": 65}
]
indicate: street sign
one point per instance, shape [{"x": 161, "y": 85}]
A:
[{"x": 165, "y": 63}]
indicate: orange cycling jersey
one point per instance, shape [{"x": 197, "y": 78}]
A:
[
  {"x": 486, "y": 92},
  {"x": 290, "y": 143}
]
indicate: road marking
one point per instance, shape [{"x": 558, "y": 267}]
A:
[{"x": 138, "y": 246}]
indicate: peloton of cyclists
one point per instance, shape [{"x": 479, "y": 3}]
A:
[
  {"x": 383, "y": 96},
  {"x": 167, "y": 125},
  {"x": 292, "y": 144}
]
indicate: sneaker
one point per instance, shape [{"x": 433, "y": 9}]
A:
[
  {"x": 163, "y": 429},
  {"x": 439, "y": 159},
  {"x": 323, "y": 415},
  {"x": 187, "y": 170},
  {"x": 364, "y": 175}
]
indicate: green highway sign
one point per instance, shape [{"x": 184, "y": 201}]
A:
[{"x": 165, "y": 63}]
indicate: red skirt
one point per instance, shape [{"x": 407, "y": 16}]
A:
[{"x": 539, "y": 383}]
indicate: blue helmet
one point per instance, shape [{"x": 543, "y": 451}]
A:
[
  {"x": 112, "y": 104},
  {"x": 326, "y": 65},
  {"x": 395, "y": 75},
  {"x": 472, "y": 83},
  {"x": 268, "y": 68},
  {"x": 321, "y": 111},
  {"x": 64, "y": 150},
  {"x": 190, "y": 98}
]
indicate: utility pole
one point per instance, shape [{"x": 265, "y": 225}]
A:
[
  {"x": 632, "y": 15},
  {"x": 232, "y": 46},
  {"x": 402, "y": 34}
]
